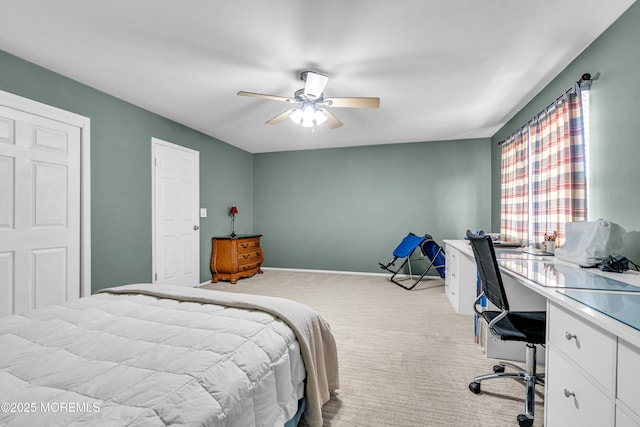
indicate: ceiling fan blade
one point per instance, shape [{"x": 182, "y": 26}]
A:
[
  {"x": 315, "y": 84},
  {"x": 332, "y": 121},
  {"x": 353, "y": 102},
  {"x": 263, "y": 96},
  {"x": 280, "y": 117}
]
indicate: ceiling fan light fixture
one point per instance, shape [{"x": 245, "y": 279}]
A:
[
  {"x": 319, "y": 117},
  {"x": 308, "y": 116},
  {"x": 296, "y": 116},
  {"x": 312, "y": 107}
]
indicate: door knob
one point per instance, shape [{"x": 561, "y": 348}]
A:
[{"x": 196, "y": 227}]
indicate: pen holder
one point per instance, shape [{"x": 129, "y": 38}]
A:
[{"x": 549, "y": 246}]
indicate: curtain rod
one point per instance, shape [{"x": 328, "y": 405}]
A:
[{"x": 584, "y": 79}]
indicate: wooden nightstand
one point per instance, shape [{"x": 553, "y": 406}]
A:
[{"x": 233, "y": 258}]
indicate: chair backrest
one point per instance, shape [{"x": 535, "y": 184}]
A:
[
  {"x": 408, "y": 245},
  {"x": 488, "y": 269}
]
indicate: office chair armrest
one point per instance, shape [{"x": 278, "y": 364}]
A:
[{"x": 498, "y": 318}]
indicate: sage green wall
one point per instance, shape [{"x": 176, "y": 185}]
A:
[
  {"x": 121, "y": 172},
  {"x": 615, "y": 126},
  {"x": 337, "y": 209},
  {"x": 347, "y": 209}
]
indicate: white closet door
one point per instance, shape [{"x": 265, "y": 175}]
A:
[
  {"x": 39, "y": 211},
  {"x": 176, "y": 238}
]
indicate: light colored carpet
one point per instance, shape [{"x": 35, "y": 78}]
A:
[{"x": 406, "y": 358}]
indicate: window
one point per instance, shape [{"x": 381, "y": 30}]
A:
[{"x": 544, "y": 171}]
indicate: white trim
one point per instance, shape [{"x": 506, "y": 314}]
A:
[
  {"x": 304, "y": 270},
  {"x": 155, "y": 142},
  {"x": 354, "y": 273},
  {"x": 30, "y": 106}
]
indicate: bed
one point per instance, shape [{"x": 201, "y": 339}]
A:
[{"x": 156, "y": 355}]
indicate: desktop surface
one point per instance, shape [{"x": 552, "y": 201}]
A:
[
  {"x": 622, "y": 307},
  {"x": 557, "y": 275}
]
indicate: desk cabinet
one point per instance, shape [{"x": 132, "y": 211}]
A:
[
  {"x": 592, "y": 376},
  {"x": 233, "y": 258},
  {"x": 460, "y": 279},
  {"x": 624, "y": 419},
  {"x": 580, "y": 371},
  {"x": 628, "y": 385}
]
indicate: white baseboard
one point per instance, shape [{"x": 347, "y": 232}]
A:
[{"x": 304, "y": 270}]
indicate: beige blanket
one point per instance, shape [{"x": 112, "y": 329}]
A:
[{"x": 313, "y": 333}]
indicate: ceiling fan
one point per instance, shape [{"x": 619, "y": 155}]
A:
[{"x": 311, "y": 109}]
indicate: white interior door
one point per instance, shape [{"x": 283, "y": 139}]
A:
[
  {"x": 176, "y": 222},
  {"x": 39, "y": 211}
]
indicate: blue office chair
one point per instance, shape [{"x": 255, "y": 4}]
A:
[{"x": 524, "y": 326}]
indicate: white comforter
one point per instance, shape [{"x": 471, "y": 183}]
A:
[{"x": 182, "y": 357}]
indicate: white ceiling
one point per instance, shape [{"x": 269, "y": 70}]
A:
[{"x": 443, "y": 69}]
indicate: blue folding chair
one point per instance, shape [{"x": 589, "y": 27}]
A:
[{"x": 406, "y": 248}]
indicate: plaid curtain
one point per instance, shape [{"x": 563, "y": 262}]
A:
[
  {"x": 558, "y": 175},
  {"x": 514, "y": 207},
  {"x": 542, "y": 193}
]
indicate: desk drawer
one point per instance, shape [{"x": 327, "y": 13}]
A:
[
  {"x": 629, "y": 376},
  {"x": 587, "y": 345},
  {"x": 626, "y": 419},
  {"x": 570, "y": 399}
]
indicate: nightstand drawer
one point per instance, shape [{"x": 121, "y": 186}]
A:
[
  {"x": 248, "y": 245},
  {"x": 249, "y": 267},
  {"x": 249, "y": 257}
]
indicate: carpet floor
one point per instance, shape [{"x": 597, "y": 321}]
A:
[{"x": 406, "y": 358}]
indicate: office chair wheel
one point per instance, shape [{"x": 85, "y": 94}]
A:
[
  {"x": 524, "y": 421},
  {"x": 497, "y": 369},
  {"x": 474, "y": 387}
]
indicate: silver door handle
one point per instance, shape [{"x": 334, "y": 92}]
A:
[{"x": 196, "y": 227}]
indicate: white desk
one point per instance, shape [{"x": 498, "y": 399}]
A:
[
  {"x": 460, "y": 276},
  {"x": 593, "y": 337}
]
